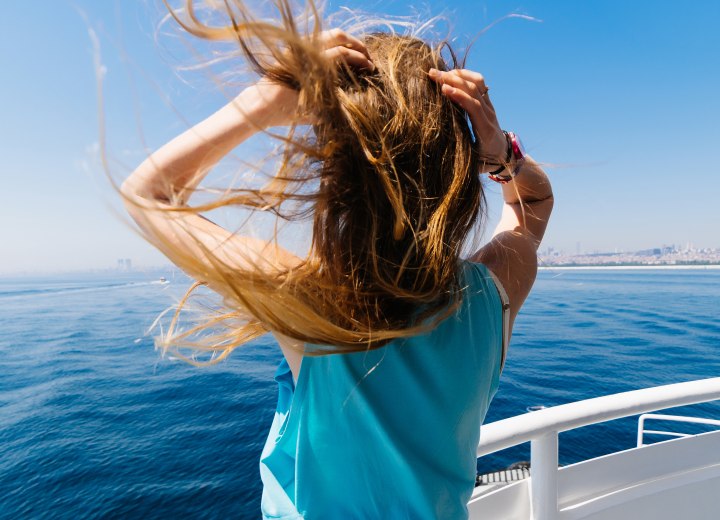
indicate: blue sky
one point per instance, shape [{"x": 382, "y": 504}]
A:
[{"x": 619, "y": 98}]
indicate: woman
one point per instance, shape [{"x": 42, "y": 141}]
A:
[{"x": 392, "y": 344}]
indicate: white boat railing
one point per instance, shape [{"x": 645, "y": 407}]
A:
[
  {"x": 542, "y": 427},
  {"x": 671, "y": 418}
]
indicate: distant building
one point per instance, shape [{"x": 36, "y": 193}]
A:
[{"x": 124, "y": 264}]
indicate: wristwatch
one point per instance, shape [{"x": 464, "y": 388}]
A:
[{"x": 515, "y": 159}]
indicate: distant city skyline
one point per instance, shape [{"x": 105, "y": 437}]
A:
[
  {"x": 580, "y": 250},
  {"x": 658, "y": 256},
  {"x": 615, "y": 98}
]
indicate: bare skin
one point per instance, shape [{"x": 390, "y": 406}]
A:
[{"x": 173, "y": 172}]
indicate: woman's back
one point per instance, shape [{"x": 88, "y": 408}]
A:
[{"x": 389, "y": 433}]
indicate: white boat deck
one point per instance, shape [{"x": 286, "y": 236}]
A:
[{"x": 675, "y": 479}]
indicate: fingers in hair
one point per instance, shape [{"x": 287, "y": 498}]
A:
[
  {"x": 473, "y": 77},
  {"x": 338, "y": 37},
  {"x": 470, "y": 103},
  {"x": 455, "y": 81},
  {"x": 351, "y": 57}
]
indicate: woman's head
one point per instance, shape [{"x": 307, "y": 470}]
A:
[
  {"x": 400, "y": 189},
  {"x": 388, "y": 174}
]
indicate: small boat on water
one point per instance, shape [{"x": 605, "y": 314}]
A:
[{"x": 673, "y": 479}]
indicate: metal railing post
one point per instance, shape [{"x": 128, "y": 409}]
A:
[
  {"x": 543, "y": 476},
  {"x": 641, "y": 430}
]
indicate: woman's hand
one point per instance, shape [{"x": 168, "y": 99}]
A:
[
  {"x": 280, "y": 103},
  {"x": 467, "y": 89},
  {"x": 341, "y": 47}
]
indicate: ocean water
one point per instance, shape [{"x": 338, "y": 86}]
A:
[{"x": 94, "y": 424}]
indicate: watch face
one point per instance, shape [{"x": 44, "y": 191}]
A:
[{"x": 517, "y": 146}]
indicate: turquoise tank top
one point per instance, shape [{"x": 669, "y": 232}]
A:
[{"x": 393, "y": 432}]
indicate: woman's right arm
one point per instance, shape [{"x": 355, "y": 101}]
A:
[{"x": 511, "y": 254}]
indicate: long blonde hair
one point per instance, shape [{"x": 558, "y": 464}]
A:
[{"x": 388, "y": 174}]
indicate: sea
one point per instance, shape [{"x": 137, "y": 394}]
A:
[{"x": 95, "y": 423}]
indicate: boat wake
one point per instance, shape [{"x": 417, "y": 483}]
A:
[{"x": 56, "y": 291}]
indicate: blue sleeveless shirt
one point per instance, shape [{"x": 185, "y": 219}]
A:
[{"x": 389, "y": 433}]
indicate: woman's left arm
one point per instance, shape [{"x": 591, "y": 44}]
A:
[
  {"x": 168, "y": 177},
  {"x": 174, "y": 171},
  {"x": 165, "y": 181}
]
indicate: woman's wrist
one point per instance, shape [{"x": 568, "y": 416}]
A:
[
  {"x": 497, "y": 149},
  {"x": 514, "y": 158},
  {"x": 267, "y": 104}
]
